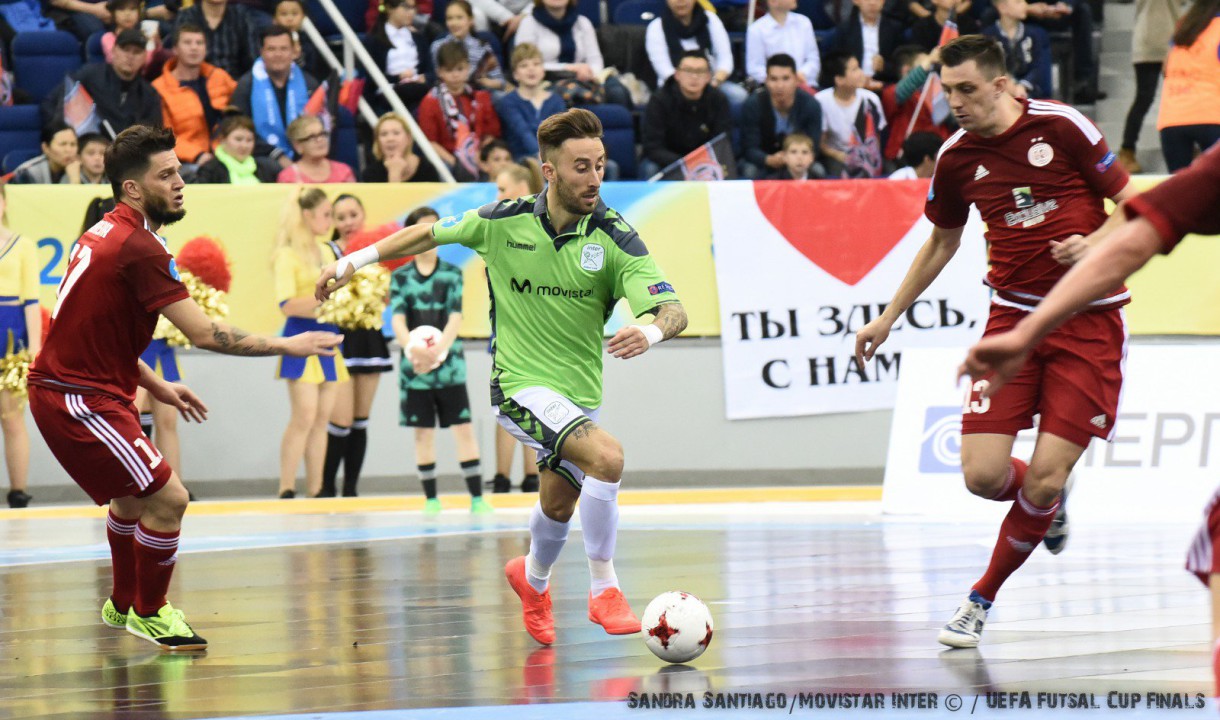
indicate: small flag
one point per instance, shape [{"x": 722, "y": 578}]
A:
[
  {"x": 713, "y": 160},
  {"x": 80, "y": 112},
  {"x": 949, "y": 32}
]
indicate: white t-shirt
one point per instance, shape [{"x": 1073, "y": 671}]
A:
[
  {"x": 904, "y": 173},
  {"x": 840, "y": 120},
  {"x": 404, "y": 55}
]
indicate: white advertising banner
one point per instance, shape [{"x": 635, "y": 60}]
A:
[
  {"x": 801, "y": 266},
  {"x": 1163, "y": 464}
]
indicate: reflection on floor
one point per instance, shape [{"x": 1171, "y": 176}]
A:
[{"x": 348, "y": 610}]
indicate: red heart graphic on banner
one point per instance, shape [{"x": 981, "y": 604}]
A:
[{"x": 845, "y": 227}]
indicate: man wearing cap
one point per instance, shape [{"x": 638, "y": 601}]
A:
[{"x": 122, "y": 96}]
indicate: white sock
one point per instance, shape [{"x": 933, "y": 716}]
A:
[
  {"x": 547, "y": 537},
  {"x": 599, "y": 526}
]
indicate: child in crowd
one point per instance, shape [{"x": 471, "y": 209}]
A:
[
  {"x": 523, "y": 110},
  {"x": 92, "y": 159},
  {"x": 428, "y": 291},
  {"x": 852, "y": 118},
  {"x": 798, "y": 159},
  {"x": 494, "y": 157},
  {"x": 233, "y": 160},
  {"x": 483, "y": 68},
  {"x": 457, "y": 119}
]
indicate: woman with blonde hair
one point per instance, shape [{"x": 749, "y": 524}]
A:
[
  {"x": 20, "y": 330},
  {"x": 301, "y": 251},
  {"x": 394, "y": 155},
  {"x": 311, "y": 141}
]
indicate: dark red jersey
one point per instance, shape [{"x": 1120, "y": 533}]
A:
[
  {"x": 1043, "y": 179},
  {"x": 119, "y": 276}
]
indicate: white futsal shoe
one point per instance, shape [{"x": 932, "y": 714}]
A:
[
  {"x": 966, "y": 628},
  {"x": 1057, "y": 536}
]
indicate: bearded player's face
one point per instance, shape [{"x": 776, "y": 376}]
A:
[
  {"x": 161, "y": 188},
  {"x": 576, "y": 171}
]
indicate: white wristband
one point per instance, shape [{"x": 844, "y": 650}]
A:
[
  {"x": 357, "y": 260},
  {"x": 653, "y": 334}
]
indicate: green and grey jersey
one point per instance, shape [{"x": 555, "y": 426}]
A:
[
  {"x": 551, "y": 293},
  {"x": 429, "y": 300}
]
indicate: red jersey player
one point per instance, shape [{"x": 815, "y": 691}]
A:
[
  {"x": 1038, "y": 172},
  {"x": 1156, "y": 221},
  {"x": 120, "y": 276}
]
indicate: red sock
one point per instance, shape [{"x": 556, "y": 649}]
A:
[
  {"x": 156, "y": 552},
  {"x": 1014, "y": 482},
  {"x": 1021, "y": 531},
  {"x": 121, "y": 534}
]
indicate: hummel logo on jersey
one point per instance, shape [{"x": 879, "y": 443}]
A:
[
  {"x": 981, "y": 173},
  {"x": 1099, "y": 422}
]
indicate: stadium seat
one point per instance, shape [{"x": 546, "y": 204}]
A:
[
  {"x": 14, "y": 158},
  {"x": 93, "y": 48},
  {"x": 344, "y": 147},
  {"x": 591, "y": 9},
  {"x": 619, "y": 129},
  {"x": 637, "y": 12},
  {"x": 351, "y": 10},
  {"x": 20, "y": 128},
  {"x": 42, "y": 59}
]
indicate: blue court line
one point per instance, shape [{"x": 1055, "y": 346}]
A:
[{"x": 328, "y": 536}]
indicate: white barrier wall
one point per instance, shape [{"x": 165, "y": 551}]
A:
[
  {"x": 1163, "y": 464},
  {"x": 667, "y": 407}
]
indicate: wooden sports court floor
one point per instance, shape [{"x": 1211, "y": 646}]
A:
[{"x": 362, "y": 608}]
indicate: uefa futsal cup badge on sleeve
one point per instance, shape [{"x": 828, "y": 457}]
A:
[
  {"x": 1041, "y": 154},
  {"x": 592, "y": 257}
]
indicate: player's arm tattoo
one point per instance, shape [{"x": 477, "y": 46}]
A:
[
  {"x": 230, "y": 340},
  {"x": 671, "y": 318}
]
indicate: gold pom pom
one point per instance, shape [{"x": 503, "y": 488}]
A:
[
  {"x": 14, "y": 371},
  {"x": 359, "y": 304},
  {"x": 208, "y": 298}
]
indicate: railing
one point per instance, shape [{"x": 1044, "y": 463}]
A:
[{"x": 354, "y": 50}]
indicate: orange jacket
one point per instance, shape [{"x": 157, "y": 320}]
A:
[
  {"x": 182, "y": 111},
  {"x": 1191, "y": 94}
]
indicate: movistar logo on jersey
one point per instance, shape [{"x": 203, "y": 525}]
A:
[{"x": 525, "y": 287}]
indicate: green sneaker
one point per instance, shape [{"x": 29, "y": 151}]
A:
[
  {"x": 111, "y": 616},
  {"x": 479, "y": 506},
  {"x": 167, "y": 629},
  {"x": 432, "y": 507}
]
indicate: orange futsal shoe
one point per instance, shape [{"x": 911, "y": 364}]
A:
[
  {"x": 535, "y": 606},
  {"x": 611, "y": 611}
]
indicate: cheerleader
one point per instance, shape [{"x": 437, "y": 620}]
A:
[
  {"x": 367, "y": 355},
  {"x": 21, "y": 321},
  {"x": 300, "y": 255}
]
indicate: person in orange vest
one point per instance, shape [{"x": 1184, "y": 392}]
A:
[{"x": 1190, "y": 102}]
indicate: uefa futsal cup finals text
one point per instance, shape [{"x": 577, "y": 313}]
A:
[{"x": 969, "y": 704}]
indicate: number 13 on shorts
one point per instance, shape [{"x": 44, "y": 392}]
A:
[{"x": 975, "y": 403}]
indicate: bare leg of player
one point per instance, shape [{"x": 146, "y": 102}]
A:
[
  {"x": 1034, "y": 491},
  {"x": 165, "y": 420},
  {"x": 143, "y": 534}
]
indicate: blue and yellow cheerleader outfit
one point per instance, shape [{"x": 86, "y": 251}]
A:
[
  {"x": 162, "y": 358},
  {"x": 295, "y": 278},
  {"x": 18, "y": 291}
]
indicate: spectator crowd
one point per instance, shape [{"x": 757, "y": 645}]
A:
[{"x": 810, "y": 89}]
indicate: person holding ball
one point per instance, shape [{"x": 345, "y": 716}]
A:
[{"x": 427, "y": 293}]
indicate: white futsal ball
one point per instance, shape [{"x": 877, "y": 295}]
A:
[
  {"x": 426, "y": 336},
  {"x": 677, "y": 626}
]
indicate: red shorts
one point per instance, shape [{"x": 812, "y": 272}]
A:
[
  {"x": 1073, "y": 379},
  {"x": 98, "y": 441},
  {"x": 1201, "y": 558}
]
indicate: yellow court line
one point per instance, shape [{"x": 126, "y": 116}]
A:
[{"x": 392, "y": 503}]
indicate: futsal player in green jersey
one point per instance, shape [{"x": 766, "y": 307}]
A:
[{"x": 557, "y": 263}]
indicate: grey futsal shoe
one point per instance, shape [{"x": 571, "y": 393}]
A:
[
  {"x": 1057, "y": 536},
  {"x": 966, "y": 628}
]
